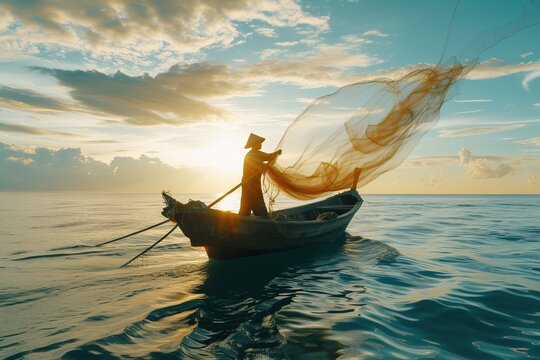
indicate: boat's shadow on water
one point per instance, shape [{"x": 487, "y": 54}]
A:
[
  {"x": 269, "y": 306},
  {"x": 237, "y": 316}
]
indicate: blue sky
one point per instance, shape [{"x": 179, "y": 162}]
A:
[{"x": 184, "y": 83}]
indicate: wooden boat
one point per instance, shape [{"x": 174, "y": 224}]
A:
[{"x": 226, "y": 235}]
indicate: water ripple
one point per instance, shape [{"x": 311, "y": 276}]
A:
[{"x": 429, "y": 277}]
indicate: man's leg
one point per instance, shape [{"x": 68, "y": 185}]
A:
[
  {"x": 245, "y": 201},
  {"x": 259, "y": 207},
  {"x": 245, "y": 208}
]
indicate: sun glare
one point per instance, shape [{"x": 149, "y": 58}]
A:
[
  {"x": 226, "y": 156},
  {"x": 221, "y": 156},
  {"x": 230, "y": 203}
]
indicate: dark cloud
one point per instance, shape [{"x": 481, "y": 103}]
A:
[
  {"x": 28, "y": 99},
  {"x": 68, "y": 169},
  {"x": 171, "y": 97},
  {"x": 30, "y": 130}
]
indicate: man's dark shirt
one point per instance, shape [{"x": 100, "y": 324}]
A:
[{"x": 252, "y": 196}]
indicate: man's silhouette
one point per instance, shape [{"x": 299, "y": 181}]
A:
[{"x": 254, "y": 165}]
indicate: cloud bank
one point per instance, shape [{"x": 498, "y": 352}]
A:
[
  {"x": 478, "y": 167},
  {"x": 67, "y": 169},
  {"x": 484, "y": 167}
]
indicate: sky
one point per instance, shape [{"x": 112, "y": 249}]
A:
[{"x": 142, "y": 96}]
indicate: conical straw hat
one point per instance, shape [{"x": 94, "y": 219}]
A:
[{"x": 253, "y": 140}]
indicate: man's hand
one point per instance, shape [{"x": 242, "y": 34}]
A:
[{"x": 275, "y": 154}]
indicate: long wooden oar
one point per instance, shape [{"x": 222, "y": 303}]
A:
[
  {"x": 133, "y": 233},
  {"x": 157, "y": 242},
  {"x": 175, "y": 226},
  {"x": 150, "y": 248},
  {"x": 229, "y": 192}
]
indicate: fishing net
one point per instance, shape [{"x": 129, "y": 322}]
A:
[{"x": 366, "y": 129}]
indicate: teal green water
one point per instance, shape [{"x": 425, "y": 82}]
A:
[{"x": 446, "y": 277}]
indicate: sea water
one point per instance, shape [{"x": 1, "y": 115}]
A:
[{"x": 416, "y": 276}]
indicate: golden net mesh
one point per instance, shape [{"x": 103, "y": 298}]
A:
[
  {"x": 371, "y": 127},
  {"x": 335, "y": 135}
]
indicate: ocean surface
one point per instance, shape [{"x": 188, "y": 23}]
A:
[{"x": 417, "y": 276}]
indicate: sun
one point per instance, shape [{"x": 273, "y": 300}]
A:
[
  {"x": 223, "y": 157},
  {"x": 227, "y": 156}
]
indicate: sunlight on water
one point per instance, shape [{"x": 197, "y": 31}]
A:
[
  {"x": 416, "y": 276},
  {"x": 230, "y": 203}
]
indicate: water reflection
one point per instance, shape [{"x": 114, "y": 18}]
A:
[
  {"x": 283, "y": 305},
  {"x": 238, "y": 316}
]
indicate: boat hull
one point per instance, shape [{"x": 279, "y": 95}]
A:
[
  {"x": 236, "y": 249},
  {"x": 226, "y": 235}
]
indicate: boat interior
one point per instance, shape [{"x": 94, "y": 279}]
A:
[{"x": 324, "y": 210}]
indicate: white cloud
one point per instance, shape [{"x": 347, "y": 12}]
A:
[
  {"x": 478, "y": 131},
  {"x": 527, "y": 54},
  {"x": 325, "y": 65},
  {"x": 356, "y": 39},
  {"x": 340, "y": 58},
  {"x": 24, "y": 161},
  {"x": 267, "y": 32},
  {"x": 363, "y": 38},
  {"x": 286, "y": 43},
  {"x": 481, "y": 122},
  {"x": 484, "y": 167},
  {"x": 464, "y": 156},
  {"x": 530, "y": 77},
  {"x": 375, "y": 33},
  {"x": 132, "y": 31},
  {"x": 310, "y": 41},
  {"x": 530, "y": 141},
  {"x": 468, "y": 112},
  {"x": 20, "y": 149},
  {"x": 494, "y": 68},
  {"x": 474, "y": 101},
  {"x": 269, "y": 53}
]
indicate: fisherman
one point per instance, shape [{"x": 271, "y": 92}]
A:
[{"x": 254, "y": 166}]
